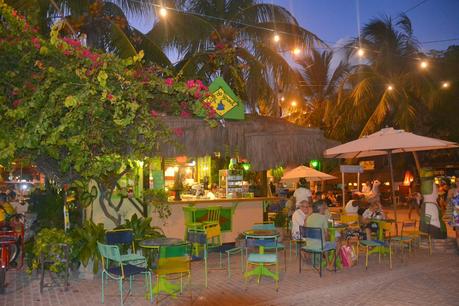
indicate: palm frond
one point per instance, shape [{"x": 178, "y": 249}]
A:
[{"x": 378, "y": 115}]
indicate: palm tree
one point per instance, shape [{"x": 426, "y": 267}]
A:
[
  {"x": 234, "y": 39},
  {"x": 319, "y": 87},
  {"x": 103, "y": 23},
  {"x": 388, "y": 88}
]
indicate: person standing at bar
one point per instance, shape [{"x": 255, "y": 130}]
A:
[{"x": 302, "y": 192}]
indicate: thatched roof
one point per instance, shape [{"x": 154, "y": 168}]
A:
[{"x": 266, "y": 142}]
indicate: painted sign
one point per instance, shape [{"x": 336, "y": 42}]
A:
[
  {"x": 350, "y": 169},
  {"x": 225, "y": 102}
]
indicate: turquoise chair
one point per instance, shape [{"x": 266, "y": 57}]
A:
[
  {"x": 125, "y": 238},
  {"x": 262, "y": 260},
  {"x": 269, "y": 226},
  {"x": 119, "y": 271}
]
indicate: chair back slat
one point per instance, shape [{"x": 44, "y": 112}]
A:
[
  {"x": 257, "y": 241},
  {"x": 189, "y": 213},
  {"x": 173, "y": 251},
  {"x": 264, "y": 226},
  {"x": 312, "y": 234},
  {"x": 213, "y": 213},
  {"x": 197, "y": 236},
  {"x": 212, "y": 230},
  {"x": 124, "y": 236},
  {"x": 111, "y": 252}
]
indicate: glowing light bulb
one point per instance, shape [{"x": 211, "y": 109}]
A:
[
  {"x": 294, "y": 104},
  {"x": 390, "y": 87},
  {"x": 296, "y": 51},
  {"x": 276, "y": 38},
  {"x": 162, "y": 12},
  {"x": 445, "y": 85},
  {"x": 360, "y": 52},
  {"x": 424, "y": 64},
  {"x": 282, "y": 99}
]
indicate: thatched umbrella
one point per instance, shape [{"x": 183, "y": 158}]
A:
[{"x": 267, "y": 142}]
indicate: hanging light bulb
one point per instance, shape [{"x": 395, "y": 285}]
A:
[
  {"x": 296, "y": 51},
  {"x": 276, "y": 37},
  {"x": 162, "y": 12},
  {"x": 390, "y": 87},
  {"x": 360, "y": 52},
  {"x": 445, "y": 85},
  {"x": 424, "y": 64}
]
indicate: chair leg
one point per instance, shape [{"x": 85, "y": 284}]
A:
[
  {"x": 390, "y": 256},
  {"x": 205, "y": 268},
  {"x": 120, "y": 284},
  {"x": 430, "y": 246},
  {"x": 285, "y": 259},
  {"x": 320, "y": 265},
  {"x": 181, "y": 283},
  {"x": 102, "y": 287},
  {"x": 366, "y": 258},
  {"x": 42, "y": 279},
  {"x": 228, "y": 267},
  {"x": 277, "y": 276},
  {"x": 335, "y": 260},
  {"x": 299, "y": 262}
]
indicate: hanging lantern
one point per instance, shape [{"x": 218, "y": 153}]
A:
[{"x": 408, "y": 179}]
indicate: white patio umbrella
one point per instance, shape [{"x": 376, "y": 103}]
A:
[
  {"x": 388, "y": 141},
  {"x": 309, "y": 173}
]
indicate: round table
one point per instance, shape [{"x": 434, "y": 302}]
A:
[
  {"x": 156, "y": 243},
  {"x": 261, "y": 233}
]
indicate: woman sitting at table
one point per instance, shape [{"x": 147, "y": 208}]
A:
[{"x": 373, "y": 212}]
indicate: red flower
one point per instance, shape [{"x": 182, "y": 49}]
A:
[
  {"x": 14, "y": 13},
  {"x": 179, "y": 132},
  {"x": 67, "y": 52},
  {"x": 169, "y": 81},
  {"x": 219, "y": 46},
  {"x": 185, "y": 114},
  {"x": 190, "y": 84},
  {"x": 17, "y": 102},
  {"x": 36, "y": 42},
  {"x": 154, "y": 114},
  {"x": 197, "y": 94},
  {"x": 110, "y": 97},
  {"x": 72, "y": 42}
]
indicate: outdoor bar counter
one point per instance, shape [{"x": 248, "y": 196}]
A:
[{"x": 237, "y": 215}]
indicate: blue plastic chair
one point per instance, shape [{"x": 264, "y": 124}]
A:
[
  {"x": 279, "y": 246},
  {"x": 125, "y": 237},
  {"x": 315, "y": 245},
  {"x": 119, "y": 271},
  {"x": 261, "y": 259}
]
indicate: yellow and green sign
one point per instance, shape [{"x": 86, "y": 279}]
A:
[{"x": 225, "y": 102}]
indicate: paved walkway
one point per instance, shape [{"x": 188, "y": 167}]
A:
[{"x": 419, "y": 280}]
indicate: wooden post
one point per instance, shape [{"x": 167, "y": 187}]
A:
[{"x": 394, "y": 204}]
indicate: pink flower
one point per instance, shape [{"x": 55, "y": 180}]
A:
[
  {"x": 67, "y": 52},
  {"x": 14, "y": 13},
  {"x": 185, "y": 114},
  {"x": 169, "y": 81},
  {"x": 190, "y": 84},
  {"x": 219, "y": 46},
  {"x": 211, "y": 113},
  {"x": 179, "y": 132},
  {"x": 154, "y": 114},
  {"x": 72, "y": 42},
  {"x": 36, "y": 42},
  {"x": 197, "y": 94},
  {"x": 86, "y": 53},
  {"x": 17, "y": 102},
  {"x": 110, "y": 97}
]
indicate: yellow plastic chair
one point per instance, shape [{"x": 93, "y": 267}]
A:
[
  {"x": 410, "y": 229},
  {"x": 213, "y": 215},
  {"x": 382, "y": 246}
]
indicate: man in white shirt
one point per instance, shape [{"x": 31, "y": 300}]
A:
[
  {"x": 302, "y": 192},
  {"x": 352, "y": 207},
  {"x": 298, "y": 218}
]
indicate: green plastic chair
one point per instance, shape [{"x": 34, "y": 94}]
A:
[
  {"x": 213, "y": 215},
  {"x": 125, "y": 238},
  {"x": 189, "y": 213},
  {"x": 119, "y": 271},
  {"x": 270, "y": 226},
  {"x": 173, "y": 260}
]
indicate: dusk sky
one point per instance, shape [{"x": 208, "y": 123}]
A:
[{"x": 336, "y": 20}]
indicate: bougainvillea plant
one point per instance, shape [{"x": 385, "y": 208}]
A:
[
  {"x": 71, "y": 107},
  {"x": 83, "y": 114}
]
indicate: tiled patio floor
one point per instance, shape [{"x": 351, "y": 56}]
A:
[{"x": 419, "y": 280}]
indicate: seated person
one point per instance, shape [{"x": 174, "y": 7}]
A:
[
  {"x": 212, "y": 194},
  {"x": 330, "y": 198},
  {"x": 318, "y": 219},
  {"x": 352, "y": 207},
  {"x": 298, "y": 218},
  {"x": 373, "y": 212}
]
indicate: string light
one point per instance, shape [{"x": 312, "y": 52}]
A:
[
  {"x": 390, "y": 87},
  {"x": 162, "y": 12},
  {"x": 282, "y": 99},
  {"x": 294, "y": 104},
  {"x": 445, "y": 85},
  {"x": 360, "y": 52},
  {"x": 276, "y": 37},
  {"x": 296, "y": 51},
  {"x": 424, "y": 64}
]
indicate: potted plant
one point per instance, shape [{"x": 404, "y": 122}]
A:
[
  {"x": 280, "y": 222},
  {"x": 141, "y": 228}
]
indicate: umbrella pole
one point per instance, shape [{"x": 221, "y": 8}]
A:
[
  {"x": 342, "y": 188},
  {"x": 394, "y": 204}
]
